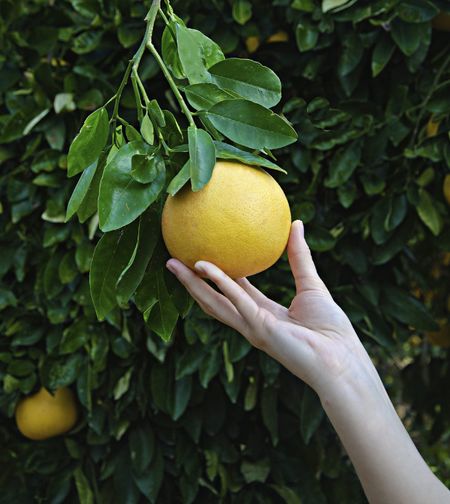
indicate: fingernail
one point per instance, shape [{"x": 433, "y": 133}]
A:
[
  {"x": 301, "y": 227},
  {"x": 200, "y": 266},
  {"x": 170, "y": 266}
]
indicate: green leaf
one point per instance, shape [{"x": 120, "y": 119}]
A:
[
  {"x": 141, "y": 445},
  {"x": 248, "y": 79},
  {"x": 145, "y": 168},
  {"x": 407, "y": 36},
  {"x": 122, "y": 199},
  {"x": 132, "y": 275},
  {"x": 287, "y": 494},
  {"x": 381, "y": 55},
  {"x": 242, "y": 11},
  {"x": 251, "y": 125},
  {"x": 156, "y": 113},
  {"x": 320, "y": 239},
  {"x": 183, "y": 389},
  {"x": 88, "y": 205},
  {"x": 428, "y": 212},
  {"x": 269, "y": 410},
  {"x": 164, "y": 315},
  {"x": 170, "y": 52},
  {"x": 417, "y": 11},
  {"x": 204, "y": 96},
  {"x": 89, "y": 143},
  {"x": 255, "y": 471},
  {"x": 343, "y": 164},
  {"x": 311, "y": 414},
  {"x": 111, "y": 257},
  {"x": 226, "y": 151},
  {"x": 84, "y": 491},
  {"x": 197, "y": 53},
  {"x": 180, "y": 179},
  {"x": 407, "y": 309},
  {"x": 202, "y": 157},
  {"x": 149, "y": 482},
  {"x": 306, "y": 36},
  {"x": 147, "y": 130},
  {"x": 81, "y": 189}
]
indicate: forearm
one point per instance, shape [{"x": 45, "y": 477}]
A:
[{"x": 388, "y": 464}]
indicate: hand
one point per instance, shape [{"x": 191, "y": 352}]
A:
[{"x": 313, "y": 338}]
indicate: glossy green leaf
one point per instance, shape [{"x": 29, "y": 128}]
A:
[
  {"x": 382, "y": 53},
  {"x": 164, "y": 315},
  {"x": 132, "y": 275},
  {"x": 147, "y": 129},
  {"x": 251, "y": 125},
  {"x": 242, "y": 11},
  {"x": 248, "y": 79},
  {"x": 180, "y": 179},
  {"x": 145, "y": 168},
  {"x": 121, "y": 198},
  {"x": 343, "y": 164},
  {"x": 197, "y": 53},
  {"x": 428, "y": 213},
  {"x": 170, "y": 51},
  {"x": 204, "y": 96},
  {"x": 202, "y": 157},
  {"x": 111, "y": 257},
  {"x": 226, "y": 151},
  {"x": 89, "y": 143},
  {"x": 306, "y": 37},
  {"x": 81, "y": 189}
]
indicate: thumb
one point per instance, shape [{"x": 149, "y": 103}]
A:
[{"x": 301, "y": 261}]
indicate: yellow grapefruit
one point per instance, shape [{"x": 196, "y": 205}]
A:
[
  {"x": 239, "y": 221},
  {"x": 42, "y": 415}
]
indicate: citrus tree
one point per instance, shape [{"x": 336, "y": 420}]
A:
[{"x": 108, "y": 108}]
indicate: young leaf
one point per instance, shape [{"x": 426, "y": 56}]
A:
[
  {"x": 428, "y": 212},
  {"x": 121, "y": 198},
  {"x": 164, "y": 315},
  {"x": 81, "y": 190},
  {"x": 204, "y": 96},
  {"x": 180, "y": 179},
  {"x": 249, "y": 79},
  {"x": 251, "y": 124},
  {"x": 146, "y": 167},
  {"x": 202, "y": 157},
  {"x": 111, "y": 256},
  {"x": 197, "y": 53},
  {"x": 89, "y": 142},
  {"x": 147, "y": 130},
  {"x": 170, "y": 52},
  {"x": 132, "y": 275},
  {"x": 156, "y": 113},
  {"x": 88, "y": 206},
  {"x": 226, "y": 151}
]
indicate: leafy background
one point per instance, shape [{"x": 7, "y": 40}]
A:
[{"x": 205, "y": 418}]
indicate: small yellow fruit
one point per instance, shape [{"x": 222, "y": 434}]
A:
[
  {"x": 441, "y": 22},
  {"x": 279, "y": 36},
  {"x": 446, "y": 188},
  {"x": 432, "y": 128},
  {"x": 252, "y": 43},
  {"x": 440, "y": 338},
  {"x": 239, "y": 221},
  {"x": 42, "y": 415}
]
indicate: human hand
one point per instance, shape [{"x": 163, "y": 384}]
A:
[{"x": 313, "y": 338}]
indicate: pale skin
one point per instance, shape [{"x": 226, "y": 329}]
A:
[{"x": 315, "y": 341}]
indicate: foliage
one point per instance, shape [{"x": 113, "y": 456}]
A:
[{"x": 199, "y": 416}]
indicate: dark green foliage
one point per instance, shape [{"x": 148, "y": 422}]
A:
[{"x": 202, "y": 417}]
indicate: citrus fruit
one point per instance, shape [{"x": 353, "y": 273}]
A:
[
  {"x": 446, "y": 188},
  {"x": 252, "y": 43},
  {"x": 239, "y": 221},
  {"x": 432, "y": 128},
  {"x": 279, "y": 36},
  {"x": 441, "y": 22},
  {"x": 42, "y": 415}
]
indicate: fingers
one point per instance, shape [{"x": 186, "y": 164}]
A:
[
  {"x": 259, "y": 298},
  {"x": 244, "y": 304},
  {"x": 211, "y": 301},
  {"x": 301, "y": 261}
]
